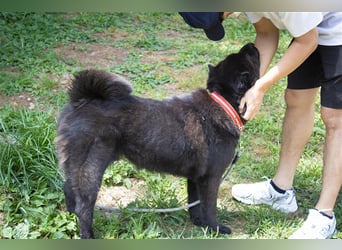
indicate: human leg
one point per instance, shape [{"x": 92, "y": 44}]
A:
[
  {"x": 297, "y": 128},
  {"x": 303, "y": 85},
  {"x": 331, "y": 111},
  {"x": 332, "y": 156},
  {"x": 332, "y": 159},
  {"x": 321, "y": 222}
]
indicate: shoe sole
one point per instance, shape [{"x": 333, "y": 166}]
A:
[
  {"x": 251, "y": 202},
  {"x": 303, "y": 238}
]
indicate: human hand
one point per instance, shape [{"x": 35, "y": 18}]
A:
[
  {"x": 252, "y": 100},
  {"x": 226, "y": 14}
]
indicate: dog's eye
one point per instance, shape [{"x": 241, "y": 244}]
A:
[
  {"x": 243, "y": 81},
  {"x": 244, "y": 73}
]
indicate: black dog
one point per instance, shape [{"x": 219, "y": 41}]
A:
[{"x": 190, "y": 136}]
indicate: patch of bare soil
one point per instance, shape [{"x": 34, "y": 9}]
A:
[
  {"x": 63, "y": 81},
  {"x": 92, "y": 55},
  {"x": 86, "y": 55},
  {"x": 16, "y": 101},
  {"x": 161, "y": 57},
  {"x": 120, "y": 196}
]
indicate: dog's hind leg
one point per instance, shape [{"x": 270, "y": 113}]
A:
[
  {"x": 69, "y": 196},
  {"x": 84, "y": 181}
]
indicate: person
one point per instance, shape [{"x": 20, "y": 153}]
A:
[{"x": 313, "y": 60}]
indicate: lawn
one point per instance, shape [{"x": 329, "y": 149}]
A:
[{"x": 161, "y": 56}]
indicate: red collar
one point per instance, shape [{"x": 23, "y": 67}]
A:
[{"x": 227, "y": 107}]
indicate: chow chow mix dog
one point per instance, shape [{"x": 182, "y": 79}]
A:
[{"x": 190, "y": 136}]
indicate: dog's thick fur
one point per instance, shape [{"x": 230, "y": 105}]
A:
[{"x": 189, "y": 136}]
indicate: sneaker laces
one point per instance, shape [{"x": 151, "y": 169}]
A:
[{"x": 266, "y": 190}]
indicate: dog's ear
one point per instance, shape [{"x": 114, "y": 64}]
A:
[
  {"x": 212, "y": 71},
  {"x": 211, "y": 85},
  {"x": 211, "y": 68}
]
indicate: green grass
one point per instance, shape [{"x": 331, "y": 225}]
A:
[{"x": 162, "y": 56}]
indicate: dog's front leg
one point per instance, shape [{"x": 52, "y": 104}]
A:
[
  {"x": 195, "y": 211},
  {"x": 208, "y": 190}
]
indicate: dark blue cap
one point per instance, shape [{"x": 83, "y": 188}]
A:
[{"x": 210, "y": 22}]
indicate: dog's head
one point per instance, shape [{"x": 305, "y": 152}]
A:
[{"x": 237, "y": 73}]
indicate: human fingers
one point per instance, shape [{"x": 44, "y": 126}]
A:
[
  {"x": 242, "y": 105},
  {"x": 248, "y": 114}
]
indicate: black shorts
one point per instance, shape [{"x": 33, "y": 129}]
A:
[{"x": 323, "y": 68}]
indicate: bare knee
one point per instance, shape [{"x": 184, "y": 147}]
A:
[
  {"x": 300, "y": 104},
  {"x": 303, "y": 99},
  {"x": 332, "y": 119}
]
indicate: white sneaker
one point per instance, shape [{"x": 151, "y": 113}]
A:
[
  {"x": 316, "y": 226},
  {"x": 264, "y": 193}
]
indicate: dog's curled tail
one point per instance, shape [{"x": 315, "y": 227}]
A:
[{"x": 98, "y": 84}]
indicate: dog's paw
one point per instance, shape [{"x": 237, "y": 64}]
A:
[
  {"x": 224, "y": 229},
  {"x": 221, "y": 229},
  {"x": 196, "y": 220}
]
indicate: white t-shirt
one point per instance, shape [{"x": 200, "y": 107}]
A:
[{"x": 329, "y": 24}]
